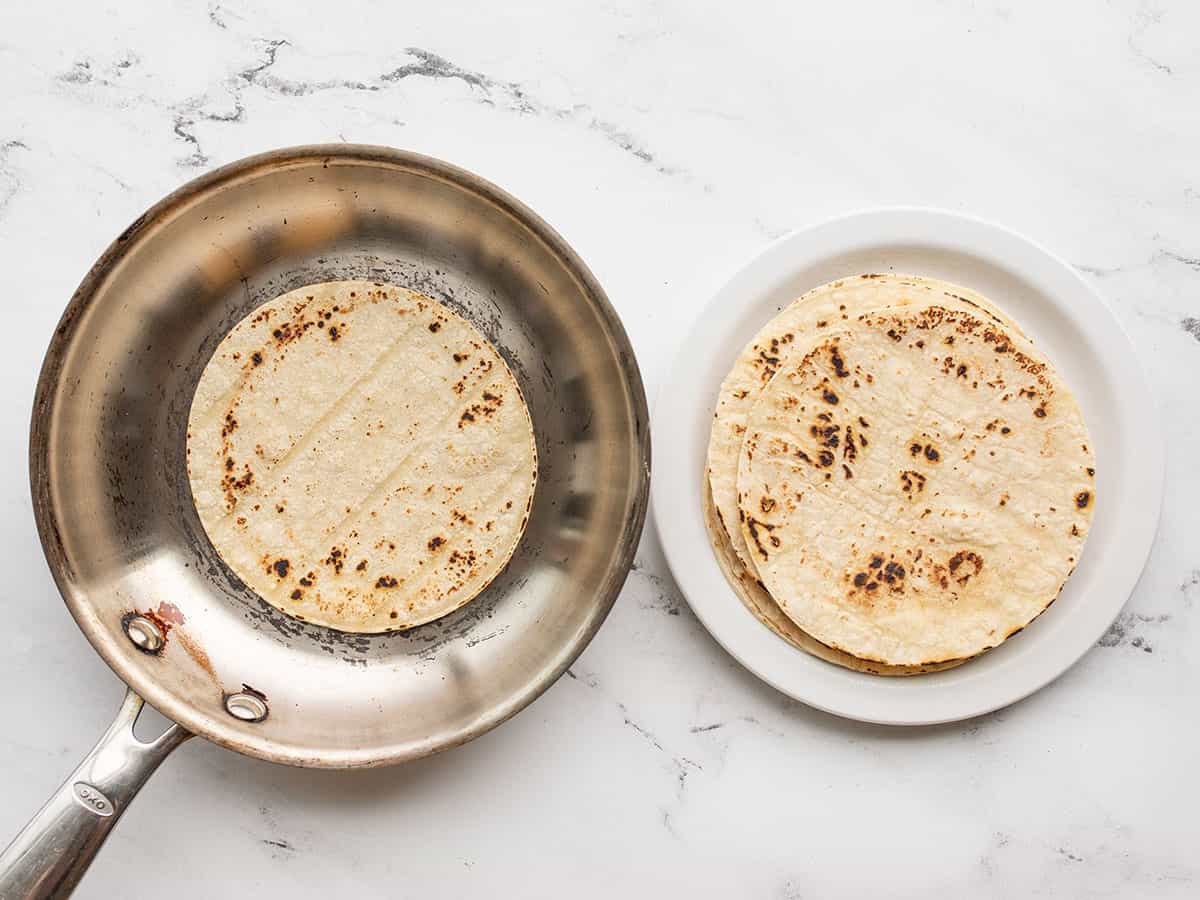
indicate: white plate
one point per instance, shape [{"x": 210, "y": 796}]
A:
[{"x": 1062, "y": 315}]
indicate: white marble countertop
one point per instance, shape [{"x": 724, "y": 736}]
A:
[{"x": 667, "y": 142}]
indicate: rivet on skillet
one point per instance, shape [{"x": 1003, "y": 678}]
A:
[
  {"x": 246, "y": 706},
  {"x": 144, "y": 633}
]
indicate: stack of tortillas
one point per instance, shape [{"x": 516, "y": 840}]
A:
[
  {"x": 361, "y": 456},
  {"x": 898, "y": 480}
]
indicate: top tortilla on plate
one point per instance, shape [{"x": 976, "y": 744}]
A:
[
  {"x": 917, "y": 487},
  {"x": 795, "y": 330},
  {"x": 361, "y": 456}
]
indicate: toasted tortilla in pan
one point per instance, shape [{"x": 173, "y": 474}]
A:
[{"x": 361, "y": 456}]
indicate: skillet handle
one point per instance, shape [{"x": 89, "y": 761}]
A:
[{"x": 50, "y": 855}]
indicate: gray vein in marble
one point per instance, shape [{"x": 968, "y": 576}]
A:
[
  {"x": 666, "y": 821},
  {"x": 639, "y": 729},
  {"x": 216, "y": 15},
  {"x": 1189, "y": 586},
  {"x": 280, "y": 847},
  {"x": 430, "y": 65},
  {"x": 665, "y": 597},
  {"x": 426, "y": 64},
  {"x": 770, "y": 232},
  {"x": 1000, "y": 840},
  {"x": 681, "y": 765},
  {"x": 587, "y": 678},
  {"x": 1160, "y": 256},
  {"x": 9, "y": 182},
  {"x": 123, "y": 185},
  {"x": 80, "y": 73},
  {"x": 270, "y": 52},
  {"x": 83, "y": 72},
  {"x": 1098, "y": 271},
  {"x": 1142, "y": 20},
  {"x": 774, "y": 732},
  {"x": 186, "y": 114},
  {"x": 627, "y": 143},
  {"x": 1146, "y": 57},
  {"x": 976, "y": 725},
  {"x": 180, "y": 127},
  {"x": 754, "y": 721},
  {"x": 1191, "y": 325},
  {"x": 1125, "y": 630},
  {"x": 1192, "y": 262},
  {"x": 684, "y": 768},
  {"x": 511, "y": 93}
]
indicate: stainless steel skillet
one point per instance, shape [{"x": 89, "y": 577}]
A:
[{"x": 123, "y": 541}]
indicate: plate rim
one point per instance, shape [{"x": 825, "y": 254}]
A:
[{"x": 726, "y": 307}]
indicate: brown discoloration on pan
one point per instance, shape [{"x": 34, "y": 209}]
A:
[{"x": 198, "y": 655}]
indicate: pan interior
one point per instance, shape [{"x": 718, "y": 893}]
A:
[{"x": 111, "y": 491}]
